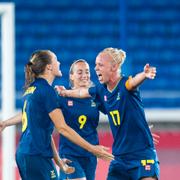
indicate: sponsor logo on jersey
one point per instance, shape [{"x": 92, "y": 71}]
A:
[{"x": 70, "y": 103}]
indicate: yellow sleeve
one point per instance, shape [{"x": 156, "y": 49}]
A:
[{"x": 127, "y": 84}]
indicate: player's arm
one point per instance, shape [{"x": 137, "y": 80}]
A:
[
  {"x": 11, "y": 121},
  {"x": 148, "y": 73},
  {"x": 59, "y": 122},
  {"x": 62, "y": 163},
  {"x": 76, "y": 93}
]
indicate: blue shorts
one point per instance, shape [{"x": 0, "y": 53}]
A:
[
  {"x": 118, "y": 170},
  {"x": 32, "y": 167},
  {"x": 84, "y": 167}
]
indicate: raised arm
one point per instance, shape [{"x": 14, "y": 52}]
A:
[
  {"x": 60, "y": 162},
  {"x": 11, "y": 121},
  {"x": 148, "y": 73},
  {"x": 69, "y": 133},
  {"x": 77, "y": 93}
]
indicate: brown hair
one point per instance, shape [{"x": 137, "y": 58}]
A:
[{"x": 36, "y": 65}]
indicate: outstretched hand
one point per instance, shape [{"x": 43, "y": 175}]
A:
[
  {"x": 61, "y": 90},
  {"x": 65, "y": 167},
  {"x": 155, "y": 136},
  {"x": 102, "y": 152},
  {"x": 2, "y": 126},
  {"x": 150, "y": 72}
]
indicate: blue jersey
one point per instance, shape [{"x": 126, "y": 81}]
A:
[
  {"x": 127, "y": 119},
  {"x": 82, "y": 115},
  {"x": 39, "y": 100}
]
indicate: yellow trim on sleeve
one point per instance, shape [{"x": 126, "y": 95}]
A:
[{"x": 127, "y": 85}]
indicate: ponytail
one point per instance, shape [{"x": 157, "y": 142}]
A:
[
  {"x": 36, "y": 65},
  {"x": 29, "y": 75}
]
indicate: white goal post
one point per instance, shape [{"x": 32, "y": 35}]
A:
[{"x": 8, "y": 88}]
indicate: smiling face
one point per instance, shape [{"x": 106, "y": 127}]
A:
[
  {"x": 80, "y": 74},
  {"x": 103, "y": 68}
]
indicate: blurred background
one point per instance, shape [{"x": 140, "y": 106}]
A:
[{"x": 149, "y": 32}]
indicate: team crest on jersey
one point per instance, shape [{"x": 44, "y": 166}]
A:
[
  {"x": 148, "y": 167},
  {"x": 118, "y": 96},
  {"x": 93, "y": 104},
  {"x": 105, "y": 98},
  {"x": 70, "y": 103}
]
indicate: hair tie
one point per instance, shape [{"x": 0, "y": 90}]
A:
[{"x": 29, "y": 63}]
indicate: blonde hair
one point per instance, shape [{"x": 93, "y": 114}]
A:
[
  {"x": 71, "y": 71},
  {"x": 118, "y": 55}
]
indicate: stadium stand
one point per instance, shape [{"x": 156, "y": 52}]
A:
[
  {"x": 82, "y": 29},
  {"x": 147, "y": 30}
]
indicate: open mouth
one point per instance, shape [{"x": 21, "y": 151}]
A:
[{"x": 99, "y": 77}]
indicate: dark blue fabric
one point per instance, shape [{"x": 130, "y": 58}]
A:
[{"x": 40, "y": 99}]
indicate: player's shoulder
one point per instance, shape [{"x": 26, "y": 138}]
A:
[
  {"x": 125, "y": 78},
  {"x": 122, "y": 83},
  {"x": 100, "y": 87},
  {"x": 46, "y": 90}
]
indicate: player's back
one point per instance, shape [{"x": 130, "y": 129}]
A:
[{"x": 37, "y": 125}]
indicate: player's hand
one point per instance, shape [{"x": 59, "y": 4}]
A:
[
  {"x": 61, "y": 90},
  {"x": 65, "y": 167},
  {"x": 150, "y": 72},
  {"x": 102, "y": 152},
  {"x": 2, "y": 126},
  {"x": 155, "y": 136}
]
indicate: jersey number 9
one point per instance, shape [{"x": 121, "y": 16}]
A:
[{"x": 82, "y": 120}]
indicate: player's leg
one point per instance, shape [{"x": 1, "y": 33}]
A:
[
  {"x": 21, "y": 164},
  {"x": 79, "y": 173},
  {"x": 38, "y": 167},
  {"x": 89, "y": 165},
  {"x": 150, "y": 171},
  {"x": 117, "y": 171}
]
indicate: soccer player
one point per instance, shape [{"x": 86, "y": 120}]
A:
[
  {"x": 133, "y": 148},
  {"x": 83, "y": 116},
  {"x": 39, "y": 114}
]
